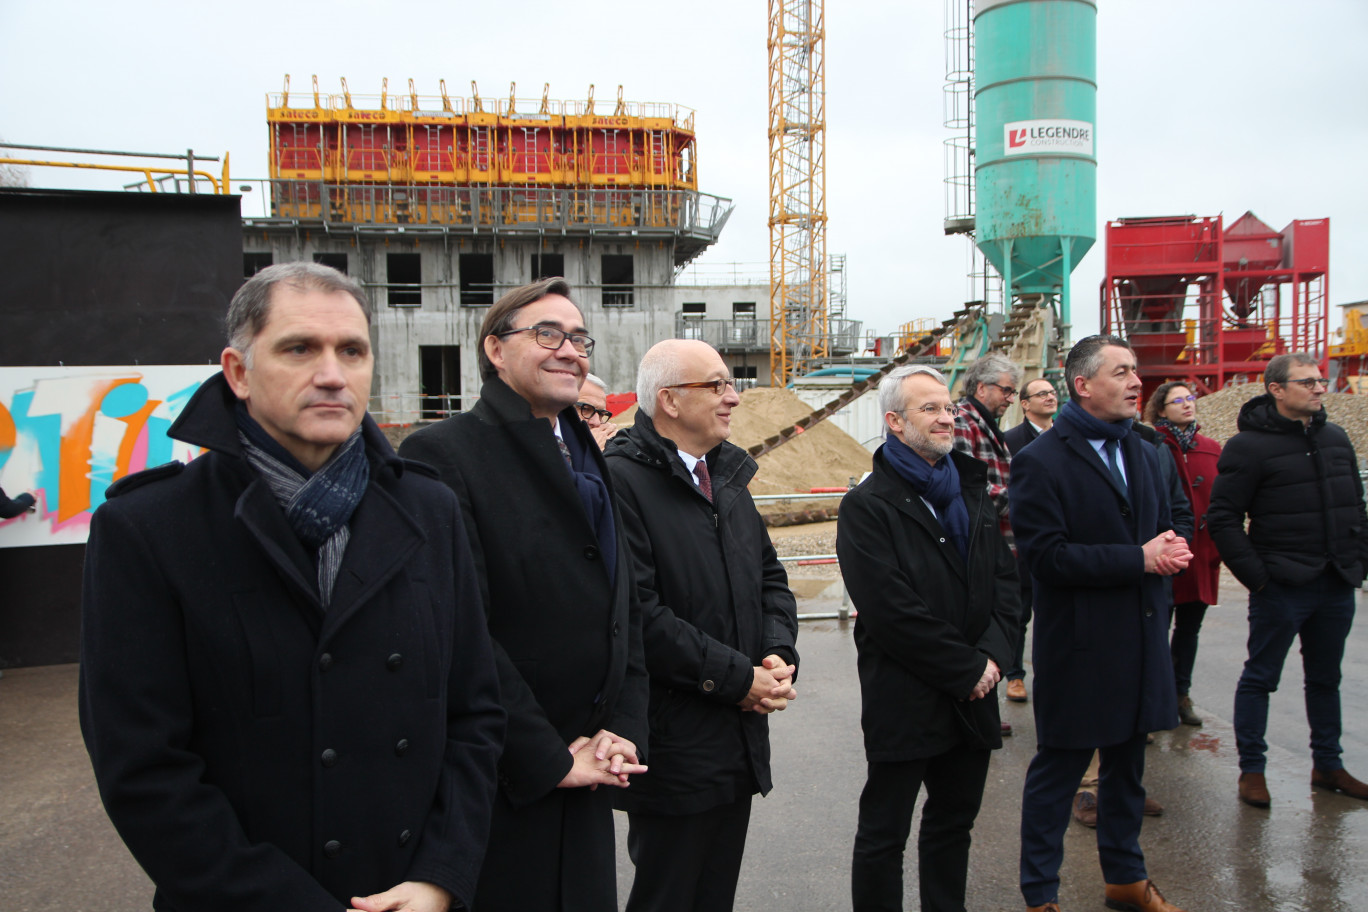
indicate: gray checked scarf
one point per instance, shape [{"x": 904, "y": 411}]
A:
[{"x": 318, "y": 506}]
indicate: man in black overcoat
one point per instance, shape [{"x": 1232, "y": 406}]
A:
[
  {"x": 1093, "y": 526},
  {"x": 936, "y": 589},
  {"x": 556, "y": 582},
  {"x": 719, "y": 629},
  {"x": 287, "y": 689}
]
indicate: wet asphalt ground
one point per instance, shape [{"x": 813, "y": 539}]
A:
[{"x": 1207, "y": 852}]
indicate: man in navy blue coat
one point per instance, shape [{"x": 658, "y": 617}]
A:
[{"x": 1093, "y": 527}]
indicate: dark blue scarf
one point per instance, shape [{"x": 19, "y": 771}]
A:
[
  {"x": 1090, "y": 427},
  {"x": 939, "y": 484},
  {"x": 593, "y": 493}
]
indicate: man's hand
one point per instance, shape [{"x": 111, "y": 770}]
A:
[
  {"x": 604, "y": 759},
  {"x": 604, "y": 432},
  {"x": 409, "y": 896},
  {"x": 1166, "y": 554},
  {"x": 991, "y": 675},
  {"x": 771, "y": 688}
]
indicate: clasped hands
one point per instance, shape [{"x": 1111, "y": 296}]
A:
[
  {"x": 771, "y": 688},
  {"x": 1167, "y": 554},
  {"x": 604, "y": 759}
]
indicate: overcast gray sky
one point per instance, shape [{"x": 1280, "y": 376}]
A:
[{"x": 1204, "y": 106}]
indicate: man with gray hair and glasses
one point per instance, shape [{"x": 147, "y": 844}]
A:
[
  {"x": 720, "y": 624},
  {"x": 936, "y": 589},
  {"x": 1296, "y": 477},
  {"x": 287, "y": 688},
  {"x": 593, "y": 409}
]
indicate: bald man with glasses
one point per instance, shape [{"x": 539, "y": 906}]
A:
[{"x": 720, "y": 627}]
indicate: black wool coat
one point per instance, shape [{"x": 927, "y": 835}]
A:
[
  {"x": 928, "y": 621},
  {"x": 254, "y": 751},
  {"x": 1301, "y": 489},
  {"x": 567, "y": 643},
  {"x": 1018, "y": 436},
  {"x": 716, "y": 601},
  {"x": 1100, "y": 647}
]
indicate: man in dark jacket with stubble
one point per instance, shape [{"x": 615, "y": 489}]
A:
[
  {"x": 1295, "y": 475},
  {"x": 556, "y": 580},
  {"x": 936, "y": 589},
  {"x": 287, "y": 690},
  {"x": 719, "y": 629}
]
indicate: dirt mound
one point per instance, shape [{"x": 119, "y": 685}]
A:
[
  {"x": 1219, "y": 412},
  {"x": 822, "y": 457}
]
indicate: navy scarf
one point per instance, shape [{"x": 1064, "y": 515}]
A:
[
  {"x": 1093, "y": 428},
  {"x": 939, "y": 484},
  {"x": 593, "y": 494}
]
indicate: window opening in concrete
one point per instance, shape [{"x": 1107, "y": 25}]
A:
[
  {"x": 618, "y": 280},
  {"x": 547, "y": 265},
  {"x": 477, "y": 279},
  {"x": 337, "y": 261},
  {"x": 743, "y": 310},
  {"x": 404, "y": 272},
  {"x": 252, "y": 263},
  {"x": 439, "y": 380}
]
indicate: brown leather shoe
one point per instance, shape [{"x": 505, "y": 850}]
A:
[
  {"x": 1016, "y": 690},
  {"x": 1085, "y": 809},
  {"x": 1254, "y": 789},
  {"x": 1153, "y": 808},
  {"x": 1339, "y": 781},
  {"x": 1048, "y": 907},
  {"x": 1141, "y": 896},
  {"x": 1186, "y": 714}
]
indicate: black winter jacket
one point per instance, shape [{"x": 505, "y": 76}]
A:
[
  {"x": 715, "y": 601},
  {"x": 254, "y": 751},
  {"x": 928, "y": 622},
  {"x": 1300, "y": 486}
]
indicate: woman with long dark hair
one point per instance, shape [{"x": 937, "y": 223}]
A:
[{"x": 1172, "y": 410}]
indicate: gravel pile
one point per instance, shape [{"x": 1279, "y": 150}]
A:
[{"x": 1218, "y": 414}]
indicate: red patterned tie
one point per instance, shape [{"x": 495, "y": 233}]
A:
[{"x": 704, "y": 479}]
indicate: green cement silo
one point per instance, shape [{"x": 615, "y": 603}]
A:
[{"x": 1035, "y": 178}]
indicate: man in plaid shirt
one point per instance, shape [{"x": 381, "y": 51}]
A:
[{"x": 990, "y": 385}]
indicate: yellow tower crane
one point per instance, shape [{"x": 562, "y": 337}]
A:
[{"x": 797, "y": 191}]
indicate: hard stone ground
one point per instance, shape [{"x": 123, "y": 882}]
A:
[{"x": 1208, "y": 852}]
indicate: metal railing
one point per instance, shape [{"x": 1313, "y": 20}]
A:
[
  {"x": 496, "y": 209},
  {"x": 748, "y": 334}
]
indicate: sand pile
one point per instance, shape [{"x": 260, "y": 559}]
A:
[{"x": 1218, "y": 413}]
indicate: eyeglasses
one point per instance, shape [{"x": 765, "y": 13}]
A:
[
  {"x": 718, "y": 387},
  {"x": 553, "y": 338},
  {"x": 1181, "y": 399},
  {"x": 1008, "y": 391},
  {"x": 587, "y": 411},
  {"x": 1310, "y": 383},
  {"x": 1043, "y": 394},
  {"x": 931, "y": 410}
]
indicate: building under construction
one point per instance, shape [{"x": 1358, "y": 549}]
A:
[{"x": 440, "y": 204}]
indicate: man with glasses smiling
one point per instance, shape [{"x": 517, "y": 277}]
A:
[
  {"x": 1295, "y": 475},
  {"x": 556, "y": 582},
  {"x": 936, "y": 590},
  {"x": 720, "y": 624}
]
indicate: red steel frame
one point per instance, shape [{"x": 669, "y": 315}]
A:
[{"x": 1167, "y": 288}]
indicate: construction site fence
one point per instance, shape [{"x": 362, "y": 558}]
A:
[
  {"x": 751, "y": 334},
  {"x": 493, "y": 208}
]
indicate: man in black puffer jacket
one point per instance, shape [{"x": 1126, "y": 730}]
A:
[
  {"x": 1296, "y": 476},
  {"x": 719, "y": 624}
]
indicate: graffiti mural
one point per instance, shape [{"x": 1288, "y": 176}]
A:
[{"x": 67, "y": 433}]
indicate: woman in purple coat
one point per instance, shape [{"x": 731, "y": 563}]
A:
[{"x": 1172, "y": 409}]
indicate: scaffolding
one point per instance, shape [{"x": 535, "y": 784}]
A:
[{"x": 797, "y": 193}]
